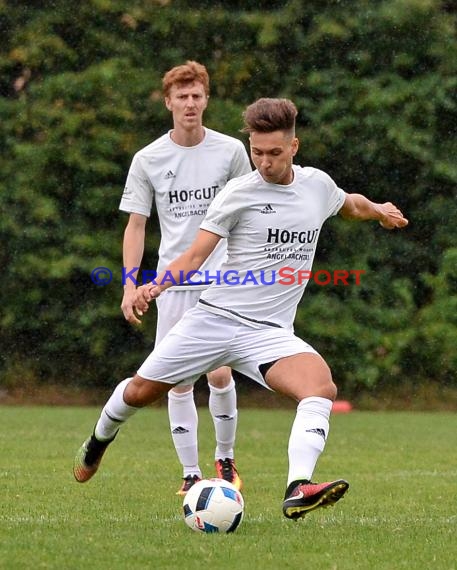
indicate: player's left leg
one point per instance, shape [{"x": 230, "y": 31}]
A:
[
  {"x": 306, "y": 378},
  {"x": 223, "y": 409}
]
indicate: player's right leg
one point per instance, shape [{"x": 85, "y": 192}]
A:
[
  {"x": 128, "y": 397},
  {"x": 182, "y": 411},
  {"x": 196, "y": 344},
  {"x": 189, "y": 340},
  {"x": 183, "y": 418}
]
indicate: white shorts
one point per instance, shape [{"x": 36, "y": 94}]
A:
[
  {"x": 171, "y": 306},
  {"x": 203, "y": 341}
]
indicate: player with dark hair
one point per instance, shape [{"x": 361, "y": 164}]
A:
[
  {"x": 271, "y": 219},
  {"x": 182, "y": 171}
]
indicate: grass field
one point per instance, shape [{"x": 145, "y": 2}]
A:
[{"x": 400, "y": 512}]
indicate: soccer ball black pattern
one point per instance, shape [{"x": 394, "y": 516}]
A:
[{"x": 213, "y": 505}]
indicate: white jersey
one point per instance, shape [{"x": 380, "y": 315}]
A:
[
  {"x": 183, "y": 182},
  {"x": 272, "y": 233}
]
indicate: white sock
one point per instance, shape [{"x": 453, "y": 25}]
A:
[
  {"x": 222, "y": 405},
  {"x": 308, "y": 436},
  {"x": 183, "y": 417},
  {"x": 114, "y": 414}
]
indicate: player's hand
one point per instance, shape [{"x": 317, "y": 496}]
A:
[
  {"x": 128, "y": 306},
  {"x": 391, "y": 217},
  {"x": 144, "y": 295}
]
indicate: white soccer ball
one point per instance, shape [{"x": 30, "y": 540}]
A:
[{"x": 213, "y": 505}]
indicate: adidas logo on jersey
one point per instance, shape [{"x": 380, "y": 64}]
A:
[
  {"x": 169, "y": 175},
  {"x": 268, "y": 209}
]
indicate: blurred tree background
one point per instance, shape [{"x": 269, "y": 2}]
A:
[{"x": 375, "y": 82}]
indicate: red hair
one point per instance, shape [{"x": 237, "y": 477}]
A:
[{"x": 183, "y": 74}]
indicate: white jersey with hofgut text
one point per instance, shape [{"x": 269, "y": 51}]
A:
[
  {"x": 182, "y": 181},
  {"x": 272, "y": 232}
]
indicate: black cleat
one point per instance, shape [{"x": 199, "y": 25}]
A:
[
  {"x": 187, "y": 483},
  {"x": 88, "y": 458}
]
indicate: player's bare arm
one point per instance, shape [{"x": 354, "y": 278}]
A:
[
  {"x": 358, "y": 207},
  {"x": 133, "y": 249},
  {"x": 191, "y": 260}
]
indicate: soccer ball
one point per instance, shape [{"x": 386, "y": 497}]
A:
[{"x": 213, "y": 505}]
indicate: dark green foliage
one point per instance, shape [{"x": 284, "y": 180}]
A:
[{"x": 80, "y": 92}]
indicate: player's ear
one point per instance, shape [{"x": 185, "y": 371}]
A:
[
  {"x": 295, "y": 145},
  {"x": 168, "y": 103}
]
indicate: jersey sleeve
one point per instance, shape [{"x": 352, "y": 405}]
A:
[
  {"x": 138, "y": 192},
  {"x": 336, "y": 196},
  {"x": 240, "y": 161},
  {"x": 223, "y": 212}
]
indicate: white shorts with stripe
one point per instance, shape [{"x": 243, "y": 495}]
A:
[{"x": 203, "y": 341}]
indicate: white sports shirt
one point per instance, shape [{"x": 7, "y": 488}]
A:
[
  {"x": 183, "y": 182},
  {"x": 272, "y": 232}
]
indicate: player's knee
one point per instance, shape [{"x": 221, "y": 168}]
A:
[
  {"x": 220, "y": 378},
  {"x": 331, "y": 390},
  {"x": 321, "y": 387},
  {"x": 324, "y": 386},
  {"x": 140, "y": 392},
  {"x": 181, "y": 389}
]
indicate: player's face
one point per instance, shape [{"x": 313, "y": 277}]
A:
[
  {"x": 187, "y": 104},
  {"x": 272, "y": 155}
]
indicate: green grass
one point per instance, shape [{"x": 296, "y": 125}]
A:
[{"x": 400, "y": 512}]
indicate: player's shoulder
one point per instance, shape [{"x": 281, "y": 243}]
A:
[
  {"x": 154, "y": 154},
  {"x": 237, "y": 186},
  {"x": 245, "y": 180},
  {"x": 215, "y": 137},
  {"x": 313, "y": 174},
  {"x": 155, "y": 145}
]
